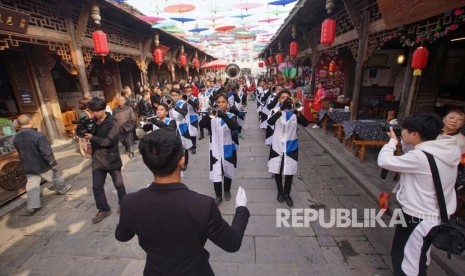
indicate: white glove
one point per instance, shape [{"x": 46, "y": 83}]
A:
[{"x": 241, "y": 198}]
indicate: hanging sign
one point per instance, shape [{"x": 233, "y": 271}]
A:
[
  {"x": 13, "y": 21},
  {"x": 396, "y": 13}
]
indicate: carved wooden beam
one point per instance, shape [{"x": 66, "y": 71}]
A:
[
  {"x": 82, "y": 23},
  {"x": 353, "y": 13}
]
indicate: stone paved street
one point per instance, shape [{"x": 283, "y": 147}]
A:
[{"x": 61, "y": 239}]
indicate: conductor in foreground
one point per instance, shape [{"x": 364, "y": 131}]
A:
[{"x": 172, "y": 222}]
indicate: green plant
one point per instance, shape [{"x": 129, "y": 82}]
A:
[{"x": 5, "y": 122}]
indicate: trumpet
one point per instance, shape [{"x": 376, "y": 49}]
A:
[
  {"x": 184, "y": 97},
  {"x": 297, "y": 105},
  {"x": 143, "y": 120},
  {"x": 213, "y": 113}
]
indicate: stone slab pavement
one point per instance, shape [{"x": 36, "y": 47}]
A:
[{"x": 60, "y": 239}]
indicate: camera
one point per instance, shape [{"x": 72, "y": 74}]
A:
[
  {"x": 386, "y": 127},
  {"x": 85, "y": 125}
]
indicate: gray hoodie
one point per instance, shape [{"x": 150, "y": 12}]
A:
[{"x": 416, "y": 192}]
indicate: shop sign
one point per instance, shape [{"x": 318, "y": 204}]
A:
[
  {"x": 402, "y": 12},
  {"x": 13, "y": 21}
]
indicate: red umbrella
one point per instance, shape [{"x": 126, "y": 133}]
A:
[
  {"x": 179, "y": 8},
  {"x": 225, "y": 28},
  {"x": 216, "y": 64}
]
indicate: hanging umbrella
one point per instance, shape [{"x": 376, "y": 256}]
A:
[
  {"x": 179, "y": 8},
  {"x": 182, "y": 19},
  {"x": 268, "y": 20},
  {"x": 151, "y": 19},
  {"x": 198, "y": 30},
  {"x": 281, "y": 2},
  {"x": 164, "y": 24},
  {"x": 248, "y": 27},
  {"x": 242, "y": 16},
  {"x": 277, "y": 12},
  {"x": 213, "y": 18},
  {"x": 225, "y": 28},
  {"x": 246, "y": 6},
  {"x": 216, "y": 64}
]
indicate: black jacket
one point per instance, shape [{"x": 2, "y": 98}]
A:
[
  {"x": 145, "y": 108},
  {"x": 173, "y": 224},
  {"x": 105, "y": 150},
  {"x": 35, "y": 152}
]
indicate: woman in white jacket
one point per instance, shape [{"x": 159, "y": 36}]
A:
[{"x": 415, "y": 191}]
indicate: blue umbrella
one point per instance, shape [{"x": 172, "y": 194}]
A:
[
  {"x": 242, "y": 16},
  {"x": 182, "y": 19},
  {"x": 163, "y": 25},
  {"x": 281, "y": 2},
  {"x": 198, "y": 30}
]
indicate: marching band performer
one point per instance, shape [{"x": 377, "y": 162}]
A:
[
  {"x": 192, "y": 116},
  {"x": 265, "y": 110},
  {"x": 178, "y": 113},
  {"x": 161, "y": 120},
  {"x": 224, "y": 143},
  {"x": 284, "y": 147},
  {"x": 272, "y": 102},
  {"x": 204, "y": 105},
  {"x": 260, "y": 91}
]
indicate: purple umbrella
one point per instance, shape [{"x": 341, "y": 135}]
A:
[{"x": 198, "y": 30}]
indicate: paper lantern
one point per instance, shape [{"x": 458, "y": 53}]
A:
[
  {"x": 332, "y": 67},
  {"x": 419, "y": 60},
  {"x": 100, "y": 42},
  {"x": 293, "y": 49},
  {"x": 270, "y": 60},
  {"x": 260, "y": 64},
  {"x": 279, "y": 58},
  {"x": 328, "y": 31},
  {"x": 182, "y": 60},
  {"x": 158, "y": 56}
]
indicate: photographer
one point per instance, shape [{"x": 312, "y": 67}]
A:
[
  {"x": 416, "y": 192},
  {"x": 105, "y": 157}
]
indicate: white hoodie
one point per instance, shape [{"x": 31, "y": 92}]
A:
[{"x": 416, "y": 192}]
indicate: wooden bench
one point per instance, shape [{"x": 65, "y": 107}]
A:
[
  {"x": 360, "y": 147},
  {"x": 338, "y": 132}
]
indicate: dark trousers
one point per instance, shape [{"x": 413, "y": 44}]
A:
[
  {"x": 98, "y": 182},
  {"x": 287, "y": 181},
  {"x": 128, "y": 141},
  {"x": 401, "y": 240},
  {"x": 194, "y": 142},
  {"x": 186, "y": 157},
  {"x": 219, "y": 189}
]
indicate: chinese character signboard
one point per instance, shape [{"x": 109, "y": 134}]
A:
[
  {"x": 13, "y": 21},
  {"x": 402, "y": 12}
]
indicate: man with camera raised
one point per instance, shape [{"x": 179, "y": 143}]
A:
[
  {"x": 105, "y": 157},
  {"x": 416, "y": 191}
]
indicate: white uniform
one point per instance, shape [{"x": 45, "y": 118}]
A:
[
  {"x": 192, "y": 118},
  {"x": 284, "y": 145},
  {"x": 183, "y": 127},
  {"x": 223, "y": 149}
]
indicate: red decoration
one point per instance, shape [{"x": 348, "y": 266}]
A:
[
  {"x": 328, "y": 31},
  {"x": 332, "y": 67},
  {"x": 196, "y": 63},
  {"x": 419, "y": 60},
  {"x": 182, "y": 60},
  {"x": 293, "y": 49},
  {"x": 260, "y": 64},
  {"x": 270, "y": 60},
  {"x": 100, "y": 42},
  {"x": 158, "y": 56},
  {"x": 279, "y": 58},
  {"x": 266, "y": 62}
]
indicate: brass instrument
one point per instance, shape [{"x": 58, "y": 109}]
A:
[
  {"x": 169, "y": 101},
  {"x": 143, "y": 120},
  {"x": 213, "y": 113},
  {"x": 232, "y": 71},
  {"x": 184, "y": 97},
  {"x": 297, "y": 104}
]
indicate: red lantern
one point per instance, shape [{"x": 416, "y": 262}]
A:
[
  {"x": 260, "y": 64},
  {"x": 158, "y": 56},
  {"x": 279, "y": 58},
  {"x": 182, "y": 60},
  {"x": 196, "y": 63},
  {"x": 100, "y": 42},
  {"x": 332, "y": 67},
  {"x": 419, "y": 60},
  {"x": 266, "y": 62},
  {"x": 328, "y": 31},
  {"x": 271, "y": 60},
  {"x": 293, "y": 49}
]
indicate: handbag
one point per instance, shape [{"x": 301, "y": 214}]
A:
[{"x": 450, "y": 235}]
